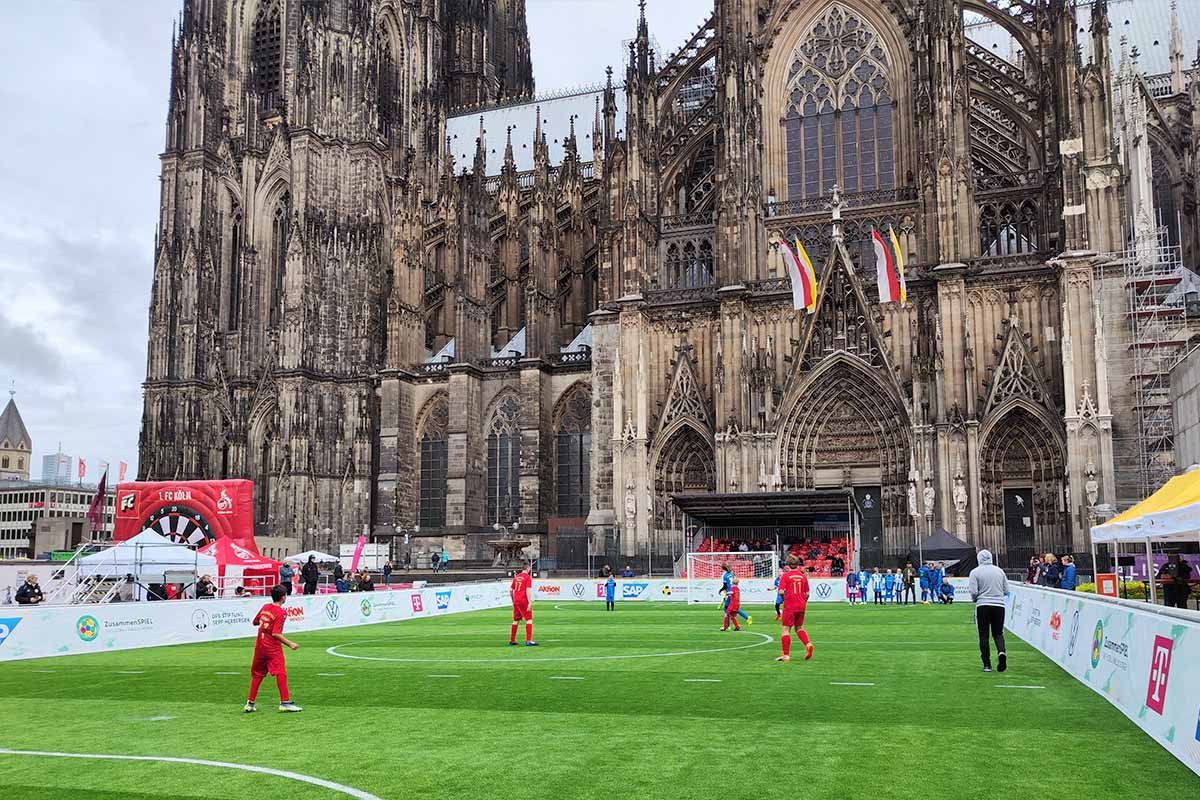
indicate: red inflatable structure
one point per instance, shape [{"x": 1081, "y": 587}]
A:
[{"x": 195, "y": 513}]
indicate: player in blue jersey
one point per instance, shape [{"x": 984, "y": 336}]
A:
[
  {"x": 936, "y": 573},
  {"x": 727, "y": 589},
  {"x": 864, "y": 585},
  {"x": 889, "y": 586},
  {"x": 778, "y": 597},
  {"x": 852, "y": 587},
  {"x": 924, "y": 573}
]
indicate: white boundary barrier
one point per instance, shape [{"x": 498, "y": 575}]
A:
[
  {"x": 1143, "y": 659},
  {"x": 754, "y": 590},
  {"x": 36, "y": 632}
]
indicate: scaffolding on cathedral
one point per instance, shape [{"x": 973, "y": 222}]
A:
[{"x": 1155, "y": 284}]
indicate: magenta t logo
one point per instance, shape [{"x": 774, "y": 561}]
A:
[{"x": 1160, "y": 670}]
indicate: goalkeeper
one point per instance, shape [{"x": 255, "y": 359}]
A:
[{"x": 727, "y": 589}]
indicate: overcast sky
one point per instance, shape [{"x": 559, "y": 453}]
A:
[{"x": 83, "y": 85}]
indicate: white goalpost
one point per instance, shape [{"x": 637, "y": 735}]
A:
[{"x": 702, "y": 572}]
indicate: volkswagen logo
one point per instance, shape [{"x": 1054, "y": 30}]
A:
[
  {"x": 1074, "y": 634},
  {"x": 332, "y": 610},
  {"x": 200, "y": 620},
  {"x": 824, "y": 590},
  {"x": 578, "y": 590}
]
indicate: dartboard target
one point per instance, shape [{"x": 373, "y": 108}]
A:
[{"x": 182, "y": 525}]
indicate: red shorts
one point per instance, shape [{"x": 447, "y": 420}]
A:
[
  {"x": 265, "y": 663},
  {"x": 522, "y": 613},
  {"x": 792, "y": 617},
  {"x": 732, "y": 611}
]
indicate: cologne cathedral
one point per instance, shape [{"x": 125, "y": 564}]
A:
[{"x": 404, "y": 293}]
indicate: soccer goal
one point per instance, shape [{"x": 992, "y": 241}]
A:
[{"x": 703, "y": 571}]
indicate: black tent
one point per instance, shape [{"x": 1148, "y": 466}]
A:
[{"x": 945, "y": 546}]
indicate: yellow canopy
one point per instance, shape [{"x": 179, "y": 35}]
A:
[{"x": 1173, "y": 512}]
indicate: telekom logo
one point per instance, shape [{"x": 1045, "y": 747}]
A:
[{"x": 1160, "y": 670}]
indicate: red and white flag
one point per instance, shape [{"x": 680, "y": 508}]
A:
[
  {"x": 801, "y": 274},
  {"x": 82, "y": 468},
  {"x": 889, "y": 270},
  {"x": 121, "y": 472},
  {"x": 95, "y": 513}
]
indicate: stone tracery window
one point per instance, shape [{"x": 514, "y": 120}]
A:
[
  {"x": 573, "y": 453},
  {"x": 839, "y": 109},
  {"x": 266, "y": 49},
  {"x": 279, "y": 245},
  {"x": 504, "y": 462},
  {"x": 390, "y": 87},
  {"x": 1008, "y": 228},
  {"x": 432, "y": 441}
]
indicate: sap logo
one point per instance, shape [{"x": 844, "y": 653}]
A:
[
  {"x": 127, "y": 501},
  {"x": 1074, "y": 634},
  {"x": 824, "y": 590},
  {"x": 630, "y": 591},
  {"x": 1160, "y": 670},
  {"x": 200, "y": 620},
  {"x": 333, "y": 610},
  {"x": 7, "y": 626},
  {"x": 1055, "y": 625},
  {"x": 417, "y": 605},
  {"x": 579, "y": 590},
  {"x": 442, "y": 599}
]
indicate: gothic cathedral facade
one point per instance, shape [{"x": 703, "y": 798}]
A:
[{"x": 402, "y": 294}]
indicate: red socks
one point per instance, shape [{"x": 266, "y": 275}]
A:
[
  {"x": 786, "y": 639},
  {"x": 513, "y": 636},
  {"x": 255, "y": 681},
  {"x": 284, "y": 695},
  {"x": 528, "y": 631},
  {"x": 803, "y": 636}
]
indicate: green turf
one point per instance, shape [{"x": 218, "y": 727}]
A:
[{"x": 508, "y": 726}]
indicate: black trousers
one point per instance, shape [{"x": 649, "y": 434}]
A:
[
  {"x": 310, "y": 587},
  {"x": 910, "y": 591},
  {"x": 990, "y": 620}
]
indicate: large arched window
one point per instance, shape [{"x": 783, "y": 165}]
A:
[
  {"x": 279, "y": 245},
  {"x": 235, "y": 270},
  {"x": 839, "y": 109},
  {"x": 504, "y": 462},
  {"x": 266, "y": 51},
  {"x": 432, "y": 436},
  {"x": 390, "y": 87},
  {"x": 573, "y": 452}
]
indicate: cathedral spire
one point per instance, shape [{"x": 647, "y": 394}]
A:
[{"x": 1176, "y": 53}]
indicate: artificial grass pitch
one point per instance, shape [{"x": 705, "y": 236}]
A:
[{"x": 592, "y": 713}]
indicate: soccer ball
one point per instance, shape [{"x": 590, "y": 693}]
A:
[{"x": 666, "y": 590}]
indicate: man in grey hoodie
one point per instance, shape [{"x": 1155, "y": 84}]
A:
[{"x": 989, "y": 588}]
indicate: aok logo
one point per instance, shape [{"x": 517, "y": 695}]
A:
[
  {"x": 1160, "y": 671},
  {"x": 824, "y": 590}
]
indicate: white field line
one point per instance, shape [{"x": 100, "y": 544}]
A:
[
  {"x": 227, "y": 673},
  {"x": 349, "y": 791},
  {"x": 766, "y": 639},
  {"x": 1013, "y": 686},
  {"x": 843, "y": 683},
  {"x": 701, "y": 680},
  {"x": 565, "y": 678},
  {"x": 331, "y": 674},
  {"x": 45, "y": 671},
  {"x": 132, "y": 672},
  {"x": 445, "y": 676}
]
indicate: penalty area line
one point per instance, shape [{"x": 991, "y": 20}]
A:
[
  {"x": 445, "y": 676},
  {"x": 701, "y": 680},
  {"x": 1016, "y": 686},
  {"x": 349, "y": 791},
  {"x": 845, "y": 683}
]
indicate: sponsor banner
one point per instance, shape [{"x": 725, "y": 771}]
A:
[
  {"x": 38, "y": 631},
  {"x": 754, "y": 590},
  {"x": 1124, "y": 651}
]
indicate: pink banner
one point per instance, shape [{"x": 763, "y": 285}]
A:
[{"x": 362, "y": 542}]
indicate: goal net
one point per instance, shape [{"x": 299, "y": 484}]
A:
[{"x": 703, "y": 571}]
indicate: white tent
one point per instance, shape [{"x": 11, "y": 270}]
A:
[
  {"x": 322, "y": 558},
  {"x": 147, "y": 556}
]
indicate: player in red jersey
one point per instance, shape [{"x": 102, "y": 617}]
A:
[
  {"x": 735, "y": 603},
  {"x": 521, "y": 592},
  {"x": 268, "y": 651},
  {"x": 793, "y": 585}
]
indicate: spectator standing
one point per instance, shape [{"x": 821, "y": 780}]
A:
[
  {"x": 205, "y": 588},
  {"x": 311, "y": 573},
  {"x": 445, "y": 560},
  {"x": 30, "y": 594},
  {"x": 606, "y": 571},
  {"x": 387, "y": 574},
  {"x": 1034, "y": 570},
  {"x": 1051, "y": 572},
  {"x": 989, "y": 588},
  {"x": 339, "y": 572},
  {"x": 627, "y": 572},
  {"x": 910, "y": 579},
  {"x": 365, "y": 584},
  {"x": 434, "y": 560},
  {"x": 1183, "y": 577},
  {"x": 1067, "y": 581},
  {"x": 286, "y": 574}
]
